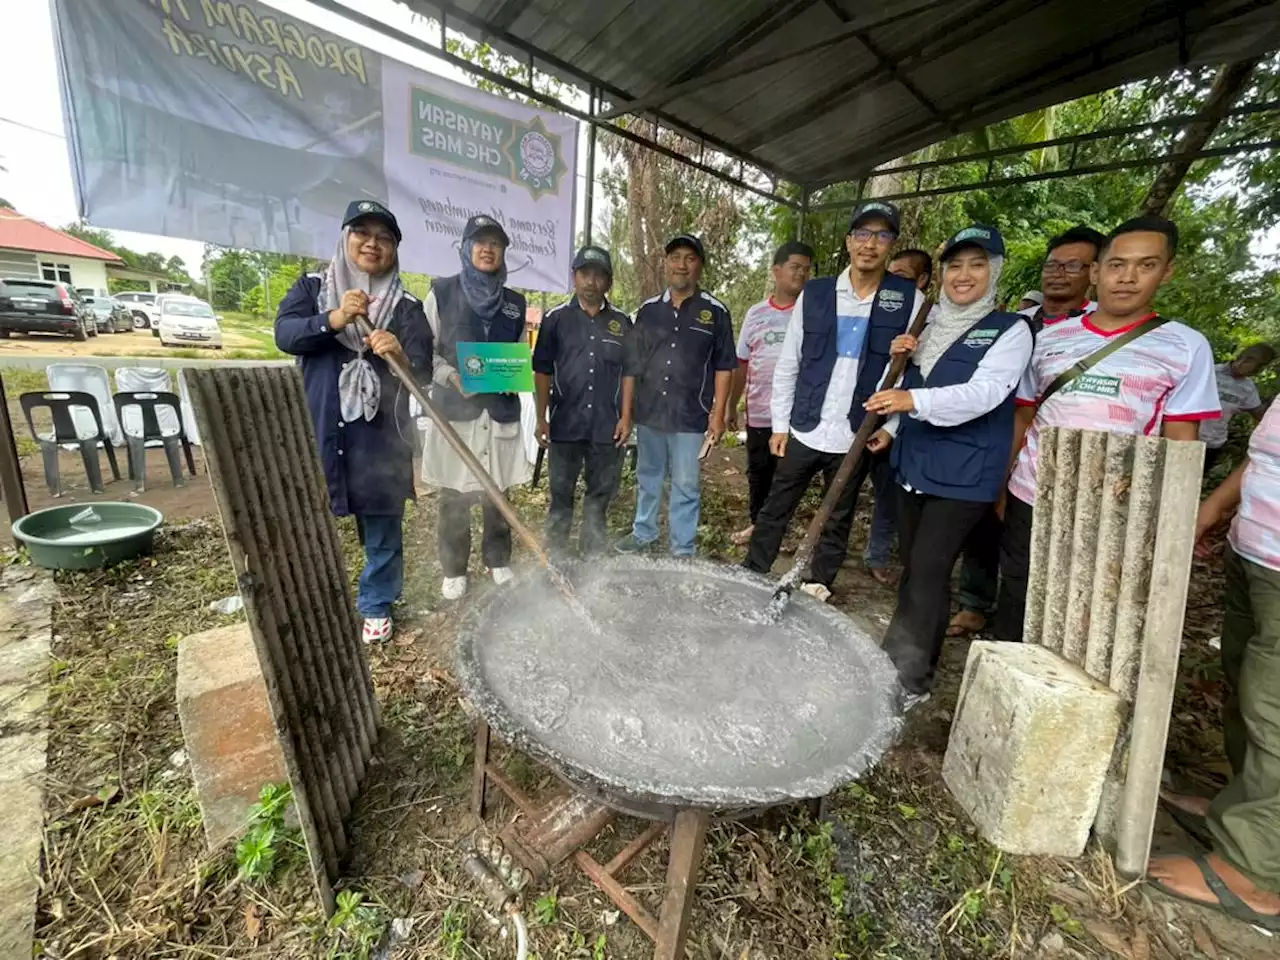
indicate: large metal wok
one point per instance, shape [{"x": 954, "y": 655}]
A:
[{"x": 688, "y": 696}]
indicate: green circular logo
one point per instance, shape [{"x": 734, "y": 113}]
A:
[{"x": 474, "y": 366}]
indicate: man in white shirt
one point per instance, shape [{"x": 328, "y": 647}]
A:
[
  {"x": 833, "y": 358},
  {"x": 1238, "y": 393},
  {"x": 1162, "y": 382}
]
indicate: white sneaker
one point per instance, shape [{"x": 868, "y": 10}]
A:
[
  {"x": 377, "y": 629},
  {"x": 453, "y": 587},
  {"x": 818, "y": 591},
  {"x": 502, "y": 575}
]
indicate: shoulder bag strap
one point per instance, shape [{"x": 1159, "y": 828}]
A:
[{"x": 1093, "y": 359}]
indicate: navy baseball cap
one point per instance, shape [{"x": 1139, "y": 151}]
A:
[
  {"x": 483, "y": 224},
  {"x": 371, "y": 210},
  {"x": 875, "y": 210},
  {"x": 687, "y": 240},
  {"x": 978, "y": 235},
  {"x": 593, "y": 257}
]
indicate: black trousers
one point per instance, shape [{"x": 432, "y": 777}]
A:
[
  {"x": 761, "y": 466},
  {"x": 931, "y": 531},
  {"x": 453, "y": 528},
  {"x": 602, "y": 464},
  {"x": 1015, "y": 566},
  {"x": 794, "y": 473},
  {"x": 980, "y": 565}
]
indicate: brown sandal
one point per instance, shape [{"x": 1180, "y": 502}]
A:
[{"x": 966, "y": 623}]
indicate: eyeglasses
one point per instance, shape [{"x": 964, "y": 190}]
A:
[
  {"x": 1070, "y": 267},
  {"x": 862, "y": 235},
  {"x": 378, "y": 237}
]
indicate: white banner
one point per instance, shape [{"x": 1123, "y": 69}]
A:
[
  {"x": 238, "y": 125},
  {"x": 452, "y": 152}
]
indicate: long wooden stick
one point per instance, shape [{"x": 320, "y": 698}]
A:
[
  {"x": 870, "y": 423},
  {"x": 460, "y": 447}
]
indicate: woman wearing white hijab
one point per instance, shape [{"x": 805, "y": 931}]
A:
[
  {"x": 360, "y": 410},
  {"x": 952, "y": 449},
  {"x": 474, "y": 305}
]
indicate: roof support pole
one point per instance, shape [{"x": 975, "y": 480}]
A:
[
  {"x": 1227, "y": 87},
  {"x": 803, "y": 213},
  {"x": 15, "y": 495},
  {"x": 588, "y": 208}
]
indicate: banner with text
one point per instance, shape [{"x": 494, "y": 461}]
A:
[{"x": 235, "y": 124}]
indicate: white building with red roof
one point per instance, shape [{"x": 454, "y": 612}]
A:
[{"x": 29, "y": 248}]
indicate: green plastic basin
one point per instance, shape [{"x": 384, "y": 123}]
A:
[{"x": 86, "y": 536}]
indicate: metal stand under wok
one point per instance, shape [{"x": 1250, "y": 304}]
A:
[{"x": 557, "y": 830}]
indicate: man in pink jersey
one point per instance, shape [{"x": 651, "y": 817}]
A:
[
  {"x": 759, "y": 343},
  {"x": 1241, "y": 876},
  {"x": 1161, "y": 383}
]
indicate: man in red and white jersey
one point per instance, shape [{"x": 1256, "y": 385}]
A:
[
  {"x": 764, "y": 328},
  {"x": 1162, "y": 382}
]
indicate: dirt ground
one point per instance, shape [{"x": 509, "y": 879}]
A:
[
  {"x": 138, "y": 343},
  {"x": 897, "y": 872}
]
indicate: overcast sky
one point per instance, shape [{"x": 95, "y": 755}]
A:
[{"x": 33, "y": 149}]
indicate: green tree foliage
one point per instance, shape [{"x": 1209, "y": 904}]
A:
[
  {"x": 1222, "y": 285},
  {"x": 173, "y": 269}
]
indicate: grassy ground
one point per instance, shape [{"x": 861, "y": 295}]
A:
[
  {"x": 257, "y": 329},
  {"x": 897, "y": 872}
]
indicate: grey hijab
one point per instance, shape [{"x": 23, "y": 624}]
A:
[
  {"x": 359, "y": 389},
  {"x": 953, "y": 320}
]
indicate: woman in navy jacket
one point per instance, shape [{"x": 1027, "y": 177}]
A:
[
  {"x": 951, "y": 455},
  {"x": 360, "y": 410}
]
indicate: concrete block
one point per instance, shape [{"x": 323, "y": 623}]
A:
[
  {"x": 231, "y": 737},
  {"x": 1030, "y": 745}
]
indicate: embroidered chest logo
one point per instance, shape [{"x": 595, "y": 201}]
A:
[
  {"x": 615, "y": 327},
  {"x": 705, "y": 318},
  {"x": 891, "y": 301},
  {"x": 511, "y": 310},
  {"x": 977, "y": 339}
]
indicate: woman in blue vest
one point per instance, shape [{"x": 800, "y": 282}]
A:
[
  {"x": 360, "y": 410},
  {"x": 951, "y": 453},
  {"x": 474, "y": 306}
]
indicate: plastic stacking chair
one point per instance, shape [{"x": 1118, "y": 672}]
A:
[
  {"x": 90, "y": 379},
  {"x": 171, "y": 437},
  {"x": 67, "y": 432}
]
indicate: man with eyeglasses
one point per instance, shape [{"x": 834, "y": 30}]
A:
[
  {"x": 833, "y": 358},
  {"x": 1064, "y": 284}
]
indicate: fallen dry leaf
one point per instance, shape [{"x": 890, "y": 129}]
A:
[
  {"x": 101, "y": 798},
  {"x": 253, "y": 920},
  {"x": 1204, "y": 940},
  {"x": 1109, "y": 937}
]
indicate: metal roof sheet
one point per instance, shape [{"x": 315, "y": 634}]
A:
[{"x": 892, "y": 76}]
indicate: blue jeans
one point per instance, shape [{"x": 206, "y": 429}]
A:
[
  {"x": 884, "y": 518},
  {"x": 678, "y": 453},
  {"x": 383, "y": 576}
]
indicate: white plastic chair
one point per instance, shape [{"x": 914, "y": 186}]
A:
[
  {"x": 188, "y": 411},
  {"x": 147, "y": 380},
  {"x": 92, "y": 380}
]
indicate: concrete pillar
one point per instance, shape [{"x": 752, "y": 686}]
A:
[
  {"x": 1111, "y": 558},
  {"x": 231, "y": 738}
]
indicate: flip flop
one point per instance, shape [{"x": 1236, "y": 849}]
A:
[
  {"x": 1194, "y": 825},
  {"x": 1228, "y": 903}
]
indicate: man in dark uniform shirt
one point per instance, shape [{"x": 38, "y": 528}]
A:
[
  {"x": 680, "y": 359},
  {"x": 577, "y": 365}
]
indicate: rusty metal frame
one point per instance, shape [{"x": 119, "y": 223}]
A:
[
  {"x": 669, "y": 931},
  {"x": 11, "y": 486}
]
